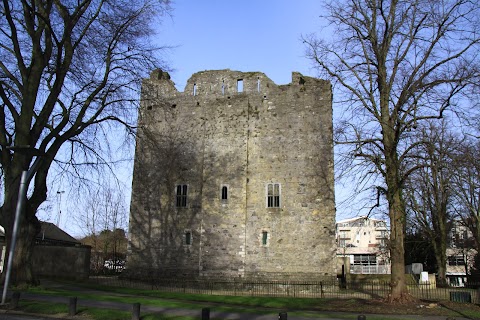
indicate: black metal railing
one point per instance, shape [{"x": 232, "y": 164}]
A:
[{"x": 298, "y": 289}]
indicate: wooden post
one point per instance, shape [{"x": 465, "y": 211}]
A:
[
  {"x": 136, "y": 311},
  {"x": 15, "y": 299},
  {"x": 206, "y": 314},
  {"x": 72, "y": 306}
]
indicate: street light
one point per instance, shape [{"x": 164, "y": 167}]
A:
[
  {"x": 22, "y": 194},
  {"x": 59, "y": 194}
]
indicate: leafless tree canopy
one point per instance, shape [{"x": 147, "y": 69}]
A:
[
  {"x": 395, "y": 63},
  {"x": 104, "y": 219},
  {"x": 466, "y": 187},
  {"x": 68, "y": 70},
  {"x": 428, "y": 191}
]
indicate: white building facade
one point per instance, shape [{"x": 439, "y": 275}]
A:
[
  {"x": 460, "y": 254},
  {"x": 362, "y": 246}
]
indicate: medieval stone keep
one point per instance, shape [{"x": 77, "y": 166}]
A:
[{"x": 234, "y": 178}]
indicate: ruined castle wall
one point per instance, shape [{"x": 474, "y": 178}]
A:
[
  {"x": 239, "y": 131},
  {"x": 291, "y": 144}
]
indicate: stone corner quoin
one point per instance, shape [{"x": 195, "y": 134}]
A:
[{"x": 234, "y": 178}]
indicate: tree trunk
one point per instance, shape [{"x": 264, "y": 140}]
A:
[
  {"x": 442, "y": 275},
  {"x": 440, "y": 248},
  {"x": 399, "y": 292},
  {"x": 22, "y": 272},
  {"x": 396, "y": 211}
]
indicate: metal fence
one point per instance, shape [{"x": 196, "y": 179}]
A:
[{"x": 297, "y": 289}]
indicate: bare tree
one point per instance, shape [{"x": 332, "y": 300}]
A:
[
  {"x": 466, "y": 187},
  {"x": 104, "y": 221},
  {"x": 428, "y": 191},
  {"x": 395, "y": 63},
  {"x": 89, "y": 221},
  {"x": 68, "y": 71}
]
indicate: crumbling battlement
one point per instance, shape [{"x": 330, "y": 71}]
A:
[{"x": 225, "y": 83}]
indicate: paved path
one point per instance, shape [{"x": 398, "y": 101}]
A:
[
  {"x": 16, "y": 316},
  {"x": 264, "y": 313}
]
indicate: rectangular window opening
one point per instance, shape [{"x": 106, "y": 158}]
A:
[
  {"x": 240, "y": 85},
  {"x": 258, "y": 84},
  {"x": 365, "y": 260},
  {"x": 194, "y": 89},
  {"x": 223, "y": 87},
  {"x": 456, "y": 261},
  {"x": 188, "y": 238},
  {"x": 273, "y": 195},
  {"x": 264, "y": 238},
  {"x": 224, "y": 193},
  {"x": 181, "y": 196}
]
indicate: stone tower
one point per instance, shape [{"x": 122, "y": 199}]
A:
[{"x": 234, "y": 178}]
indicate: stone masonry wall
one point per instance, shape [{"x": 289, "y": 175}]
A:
[{"x": 242, "y": 132}]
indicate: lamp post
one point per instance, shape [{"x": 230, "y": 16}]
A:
[
  {"x": 22, "y": 195},
  {"x": 59, "y": 194}
]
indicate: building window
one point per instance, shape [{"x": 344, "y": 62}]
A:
[
  {"x": 456, "y": 261},
  {"x": 181, "y": 193},
  {"x": 240, "y": 85},
  {"x": 344, "y": 235},
  {"x": 224, "y": 193},
  {"x": 194, "y": 89},
  {"x": 188, "y": 238},
  {"x": 365, "y": 260},
  {"x": 273, "y": 195},
  {"x": 264, "y": 238}
]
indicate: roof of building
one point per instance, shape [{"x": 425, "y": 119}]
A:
[
  {"x": 358, "y": 218},
  {"x": 51, "y": 233}
]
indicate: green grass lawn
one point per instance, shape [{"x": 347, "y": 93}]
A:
[{"x": 237, "y": 304}]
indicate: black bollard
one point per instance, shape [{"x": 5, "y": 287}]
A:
[
  {"x": 136, "y": 311},
  {"x": 72, "y": 306},
  {"x": 361, "y": 317},
  {"x": 282, "y": 316},
  {"x": 15, "y": 299},
  {"x": 206, "y": 314}
]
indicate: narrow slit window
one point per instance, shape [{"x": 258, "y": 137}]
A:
[
  {"x": 240, "y": 85},
  {"x": 258, "y": 84},
  {"x": 181, "y": 195},
  {"x": 194, "y": 89},
  {"x": 264, "y": 238},
  {"x": 224, "y": 193},
  {"x": 273, "y": 195},
  {"x": 188, "y": 238},
  {"x": 223, "y": 87}
]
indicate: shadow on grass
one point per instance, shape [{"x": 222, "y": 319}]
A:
[{"x": 466, "y": 311}]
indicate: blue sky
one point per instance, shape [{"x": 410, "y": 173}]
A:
[{"x": 247, "y": 35}]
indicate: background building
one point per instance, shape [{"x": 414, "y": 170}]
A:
[
  {"x": 55, "y": 254},
  {"x": 362, "y": 246},
  {"x": 460, "y": 254},
  {"x": 233, "y": 177}
]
